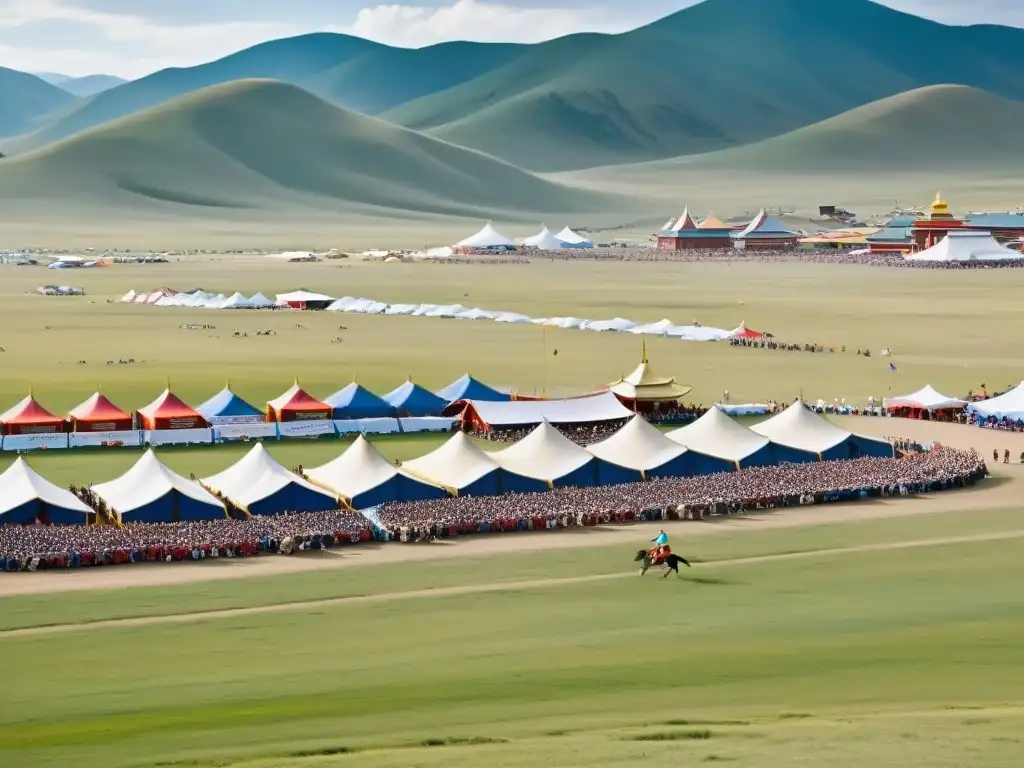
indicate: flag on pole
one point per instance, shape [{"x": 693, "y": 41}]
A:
[{"x": 892, "y": 368}]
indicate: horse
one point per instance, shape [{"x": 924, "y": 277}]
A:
[{"x": 671, "y": 562}]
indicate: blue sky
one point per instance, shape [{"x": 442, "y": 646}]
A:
[{"x": 134, "y": 37}]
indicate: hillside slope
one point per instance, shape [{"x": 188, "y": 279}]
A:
[
  {"x": 24, "y": 99},
  {"x": 89, "y": 85},
  {"x": 719, "y": 74},
  {"x": 348, "y": 71},
  {"x": 268, "y": 145}
]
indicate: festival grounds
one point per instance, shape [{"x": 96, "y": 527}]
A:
[{"x": 884, "y": 633}]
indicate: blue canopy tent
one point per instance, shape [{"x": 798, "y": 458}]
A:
[
  {"x": 226, "y": 406},
  {"x": 356, "y": 402},
  {"x": 413, "y": 400},
  {"x": 467, "y": 388}
]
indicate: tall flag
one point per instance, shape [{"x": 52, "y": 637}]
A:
[{"x": 892, "y": 368}]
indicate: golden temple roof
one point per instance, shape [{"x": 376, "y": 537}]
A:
[
  {"x": 939, "y": 209},
  {"x": 645, "y": 385},
  {"x": 712, "y": 222}
]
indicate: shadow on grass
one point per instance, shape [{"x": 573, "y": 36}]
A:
[{"x": 694, "y": 735}]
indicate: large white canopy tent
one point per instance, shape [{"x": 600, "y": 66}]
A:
[
  {"x": 801, "y": 429},
  {"x": 574, "y": 240},
  {"x": 549, "y": 456},
  {"x": 715, "y": 434},
  {"x": 366, "y": 479},
  {"x": 544, "y": 241},
  {"x": 463, "y": 468},
  {"x": 26, "y": 496},
  {"x": 487, "y": 237},
  {"x": 261, "y": 486},
  {"x": 150, "y": 492},
  {"x": 967, "y": 246},
  {"x": 1009, "y": 405},
  {"x": 642, "y": 447},
  {"x": 925, "y": 399},
  {"x": 575, "y": 410}
]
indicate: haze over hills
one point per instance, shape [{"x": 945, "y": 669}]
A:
[
  {"x": 719, "y": 74},
  {"x": 90, "y": 84},
  {"x": 258, "y": 144},
  {"x": 349, "y": 71},
  {"x": 25, "y": 99}
]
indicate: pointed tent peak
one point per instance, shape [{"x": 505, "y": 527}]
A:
[
  {"x": 685, "y": 221},
  {"x": 712, "y": 222}
]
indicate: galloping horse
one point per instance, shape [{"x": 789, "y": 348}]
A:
[{"x": 671, "y": 562}]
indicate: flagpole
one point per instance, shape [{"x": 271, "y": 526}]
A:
[{"x": 544, "y": 361}]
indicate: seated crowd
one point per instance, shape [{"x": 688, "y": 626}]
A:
[{"x": 34, "y": 547}]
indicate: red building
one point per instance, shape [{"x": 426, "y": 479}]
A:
[
  {"x": 929, "y": 229},
  {"x": 685, "y": 234}
]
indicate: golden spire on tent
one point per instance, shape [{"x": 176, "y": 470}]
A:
[{"x": 644, "y": 385}]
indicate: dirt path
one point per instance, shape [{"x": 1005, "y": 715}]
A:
[
  {"x": 1002, "y": 494},
  {"x": 470, "y": 589}
]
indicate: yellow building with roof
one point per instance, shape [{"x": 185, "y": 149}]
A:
[{"x": 643, "y": 389}]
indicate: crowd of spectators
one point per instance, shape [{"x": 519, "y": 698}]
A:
[
  {"x": 769, "y": 342},
  {"x": 35, "y": 547},
  {"x": 581, "y": 434}
]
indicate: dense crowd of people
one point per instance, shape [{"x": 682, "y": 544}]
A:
[
  {"x": 771, "y": 343},
  {"x": 35, "y": 547},
  {"x": 581, "y": 434}
]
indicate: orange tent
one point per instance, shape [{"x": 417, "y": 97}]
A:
[
  {"x": 98, "y": 414},
  {"x": 297, "y": 405},
  {"x": 28, "y": 417},
  {"x": 170, "y": 412},
  {"x": 747, "y": 333}
]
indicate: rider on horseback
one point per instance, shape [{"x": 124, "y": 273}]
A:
[{"x": 661, "y": 548}]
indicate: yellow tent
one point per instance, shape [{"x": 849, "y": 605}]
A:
[{"x": 644, "y": 385}]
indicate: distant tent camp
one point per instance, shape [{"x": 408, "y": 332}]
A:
[
  {"x": 354, "y": 401},
  {"x": 28, "y": 417},
  {"x": 365, "y": 478},
  {"x": 228, "y": 408},
  {"x": 149, "y": 492},
  {"x": 487, "y": 237},
  {"x": 544, "y": 241},
  {"x": 98, "y": 414},
  {"x": 413, "y": 400},
  {"x": 967, "y": 246},
  {"x": 258, "y": 484},
  {"x": 746, "y": 333},
  {"x": 297, "y": 405},
  {"x": 235, "y": 301},
  {"x": 27, "y": 498},
  {"x": 573, "y": 240},
  {"x": 467, "y": 388},
  {"x": 259, "y": 301},
  {"x": 303, "y": 299},
  {"x": 168, "y": 411}
]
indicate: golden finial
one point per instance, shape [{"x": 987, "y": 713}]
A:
[{"x": 643, "y": 347}]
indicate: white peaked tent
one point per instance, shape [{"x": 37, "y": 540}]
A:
[
  {"x": 259, "y": 301},
  {"x": 615, "y": 324},
  {"x": 1009, "y": 405},
  {"x": 715, "y": 434},
  {"x": 926, "y": 399},
  {"x": 967, "y": 246},
  {"x": 260, "y": 485},
  {"x": 460, "y": 466},
  {"x": 488, "y": 237},
  {"x": 570, "y": 238},
  {"x": 149, "y": 492},
  {"x": 799, "y": 428},
  {"x": 235, "y": 301},
  {"x": 639, "y": 445},
  {"x": 547, "y": 455},
  {"x": 365, "y": 478},
  {"x": 302, "y": 297},
  {"x": 128, "y": 298},
  {"x": 544, "y": 241},
  {"x": 25, "y": 496}
]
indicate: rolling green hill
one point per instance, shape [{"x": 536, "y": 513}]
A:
[
  {"x": 25, "y": 99},
  {"x": 716, "y": 75},
  {"x": 258, "y": 144},
  {"x": 348, "y": 71}
]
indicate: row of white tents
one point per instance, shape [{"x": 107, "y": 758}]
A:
[
  {"x": 967, "y": 245},
  {"x": 489, "y": 237},
  {"x": 362, "y": 478},
  {"x": 363, "y": 306}
]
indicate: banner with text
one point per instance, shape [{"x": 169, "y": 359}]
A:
[
  {"x": 305, "y": 428},
  {"x": 254, "y": 431},
  {"x": 179, "y": 436},
  {"x": 105, "y": 439},
  {"x": 35, "y": 442}
]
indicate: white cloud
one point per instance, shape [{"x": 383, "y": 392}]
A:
[
  {"x": 123, "y": 44},
  {"x": 416, "y": 26}
]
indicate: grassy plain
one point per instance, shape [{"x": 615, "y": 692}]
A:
[
  {"x": 845, "y": 658},
  {"x": 950, "y": 329}
]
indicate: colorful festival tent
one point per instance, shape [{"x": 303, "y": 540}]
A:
[
  {"x": 924, "y": 399},
  {"x": 150, "y": 492},
  {"x": 467, "y": 388},
  {"x": 28, "y": 417},
  {"x": 169, "y": 411},
  {"x": 365, "y": 478},
  {"x": 297, "y": 405},
  {"x": 1009, "y": 405},
  {"x": 258, "y": 484},
  {"x": 413, "y": 400},
  {"x": 98, "y": 414},
  {"x": 226, "y": 407},
  {"x": 27, "y": 498},
  {"x": 354, "y": 401}
]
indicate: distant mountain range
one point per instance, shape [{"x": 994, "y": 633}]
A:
[
  {"x": 263, "y": 144},
  {"x": 81, "y": 86},
  {"x": 797, "y": 85}
]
